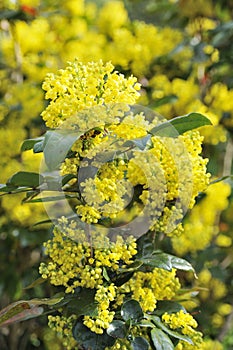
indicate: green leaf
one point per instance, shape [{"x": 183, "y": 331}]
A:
[
  {"x": 167, "y": 262},
  {"x": 90, "y": 340},
  {"x": 172, "y": 333},
  {"x": 30, "y": 143},
  {"x": 163, "y": 101},
  {"x": 19, "y": 311},
  {"x": 23, "y": 178},
  {"x": 181, "y": 264},
  {"x": 132, "y": 267},
  {"x": 117, "y": 329},
  {"x": 140, "y": 343},
  {"x": 145, "y": 245},
  {"x": 24, "y": 309},
  {"x": 168, "y": 306},
  {"x": 131, "y": 311},
  {"x": 160, "y": 340},
  {"x": 37, "y": 282},
  {"x": 227, "y": 177},
  {"x": 179, "y": 125},
  {"x": 7, "y": 188},
  {"x": 105, "y": 274},
  {"x": 49, "y": 199},
  {"x": 67, "y": 178},
  {"x": 56, "y": 146},
  {"x": 160, "y": 260},
  {"x": 83, "y": 304}
]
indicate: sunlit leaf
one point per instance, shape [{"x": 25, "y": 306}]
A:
[
  {"x": 180, "y": 125},
  {"x": 160, "y": 340},
  {"x": 56, "y": 146}
]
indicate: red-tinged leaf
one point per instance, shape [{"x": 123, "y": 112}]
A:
[
  {"x": 24, "y": 309},
  {"x": 19, "y": 311}
]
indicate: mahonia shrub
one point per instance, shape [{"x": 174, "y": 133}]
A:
[{"x": 127, "y": 177}]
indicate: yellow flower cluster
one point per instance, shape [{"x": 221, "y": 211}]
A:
[
  {"x": 104, "y": 295},
  {"x": 63, "y": 327},
  {"x": 82, "y": 86},
  {"x": 149, "y": 287},
  {"x": 187, "y": 324},
  {"x": 203, "y": 218},
  {"x": 73, "y": 264}
]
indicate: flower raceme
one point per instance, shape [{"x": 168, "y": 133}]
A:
[{"x": 100, "y": 103}]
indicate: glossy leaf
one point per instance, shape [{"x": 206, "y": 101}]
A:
[
  {"x": 140, "y": 343},
  {"x": 181, "y": 264},
  {"x": 83, "y": 303},
  {"x": 161, "y": 261},
  {"x": 131, "y": 310},
  {"x": 90, "y": 340},
  {"x": 117, "y": 329},
  {"x": 30, "y": 143},
  {"x": 160, "y": 340},
  {"x": 168, "y": 306},
  {"x": 24, "y": 178},
  {"x": 167, "y": 262},
  {"x": 179, "y": 125},
  {"x": 172, "y": 333}
]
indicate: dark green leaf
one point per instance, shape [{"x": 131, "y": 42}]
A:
[
  {"x": 83, "y": 304},
  {"x": 160, "y": 340},
  {"x": 131, "y": 310},
  {"x": 23, "y": 178},
  {"x": 122, "y": 278},
  {"x": 227, "y": 177},
  {"x": 56, "y": 146},
  {"x": 30, "y": 143},
  {"x": 161, "y": 261},
  {"x": 48, "y": 221},
  {"x": 179, "y": 125},
  {"x": 90, "y": 340},
  {"x": 164, "y": 100},
  {"x": 168, "y": 306},
  {"x": 167, "y": 262},
  {"x": 132, "y": 267},
  {"x": 117, "y": 329},
  {"x": 140, "y": 343},
  {"x": 145, "y": 245},
  {"x": 67, "y": 178},
  {"x": 172, "y": 333},
  {"x": 7, "y": 188}
]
